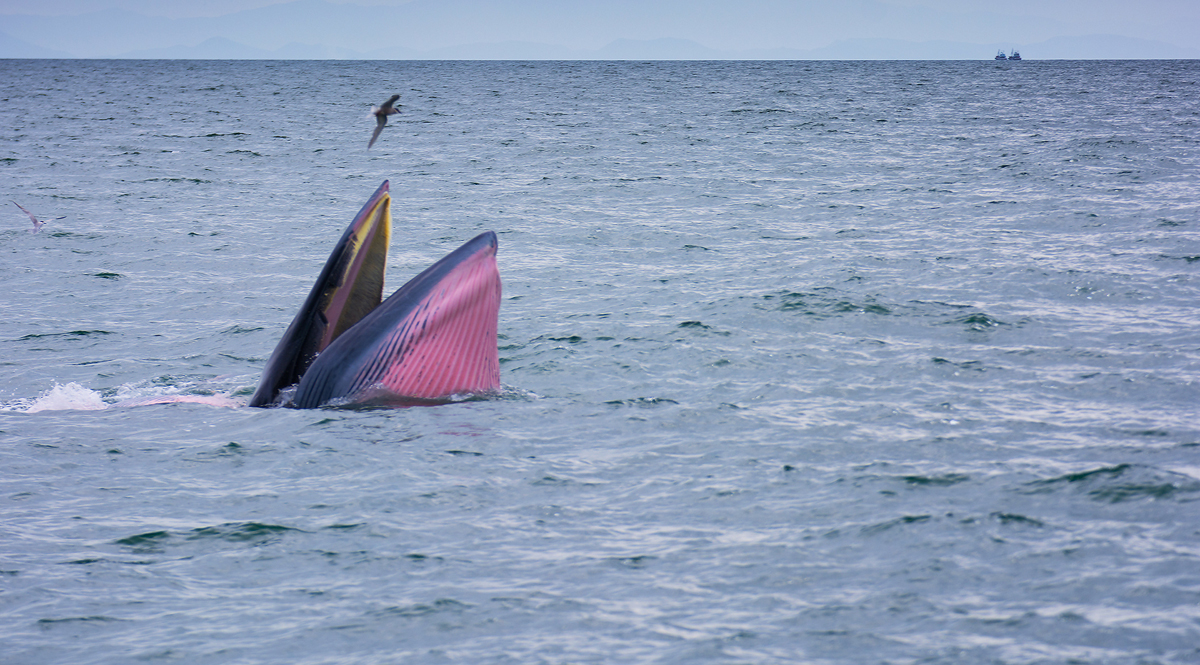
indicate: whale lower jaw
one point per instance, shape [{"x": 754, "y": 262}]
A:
[{"x": 433, "y": 338}]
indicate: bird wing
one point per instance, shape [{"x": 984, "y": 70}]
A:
[
  {"x": 378, "y": 129},
  {"x": 35, "y": 219}
]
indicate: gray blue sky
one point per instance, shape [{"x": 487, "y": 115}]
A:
[{"x": 585, "y": 28}]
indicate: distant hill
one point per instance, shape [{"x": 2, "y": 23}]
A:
[
  {"x": 1105, "y": 47},
  {"x": 11, "y": 47},
  {"x": 1098, "y": 47}
]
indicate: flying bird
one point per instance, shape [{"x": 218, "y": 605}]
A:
[
  {"x": 37, "y": 224},
  {"x": 381, "y": 113}
]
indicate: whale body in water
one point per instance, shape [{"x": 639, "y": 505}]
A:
[{"x": 432, "y": 339}]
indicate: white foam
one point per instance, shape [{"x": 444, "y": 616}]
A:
[{"x": 65, "y": 397}]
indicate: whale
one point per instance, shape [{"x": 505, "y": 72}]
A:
[{"x": 431, "y": 341}]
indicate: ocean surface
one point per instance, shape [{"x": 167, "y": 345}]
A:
[{"x": 804, "y": 362}]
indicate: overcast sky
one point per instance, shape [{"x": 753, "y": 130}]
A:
[
  {"x": 719, "y": 24},
  {"x": 1162, "y": 14}
]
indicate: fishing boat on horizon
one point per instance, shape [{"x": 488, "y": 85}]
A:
[
  {"x": 1000, "y": 55},
  {"x": 1016, "y": 55}
]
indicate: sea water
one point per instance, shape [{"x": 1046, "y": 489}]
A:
[{"x": 819, "y": 362}]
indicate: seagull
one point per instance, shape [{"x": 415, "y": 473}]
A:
[
  {"x": 381, "y": 113},
  {"x": 37, "y": 224}
]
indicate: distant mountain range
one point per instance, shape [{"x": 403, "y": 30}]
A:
[
  {"x": 1094, "y": 47},
  {"x": 537, "y": 30}
]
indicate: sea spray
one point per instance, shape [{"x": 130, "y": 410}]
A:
[{"x": 67, "y": 396}]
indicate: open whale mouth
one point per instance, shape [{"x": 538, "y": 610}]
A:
[{"x": 432, "y": 339}]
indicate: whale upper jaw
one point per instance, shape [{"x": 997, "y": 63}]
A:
[{"x": 349, "y": 287}]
